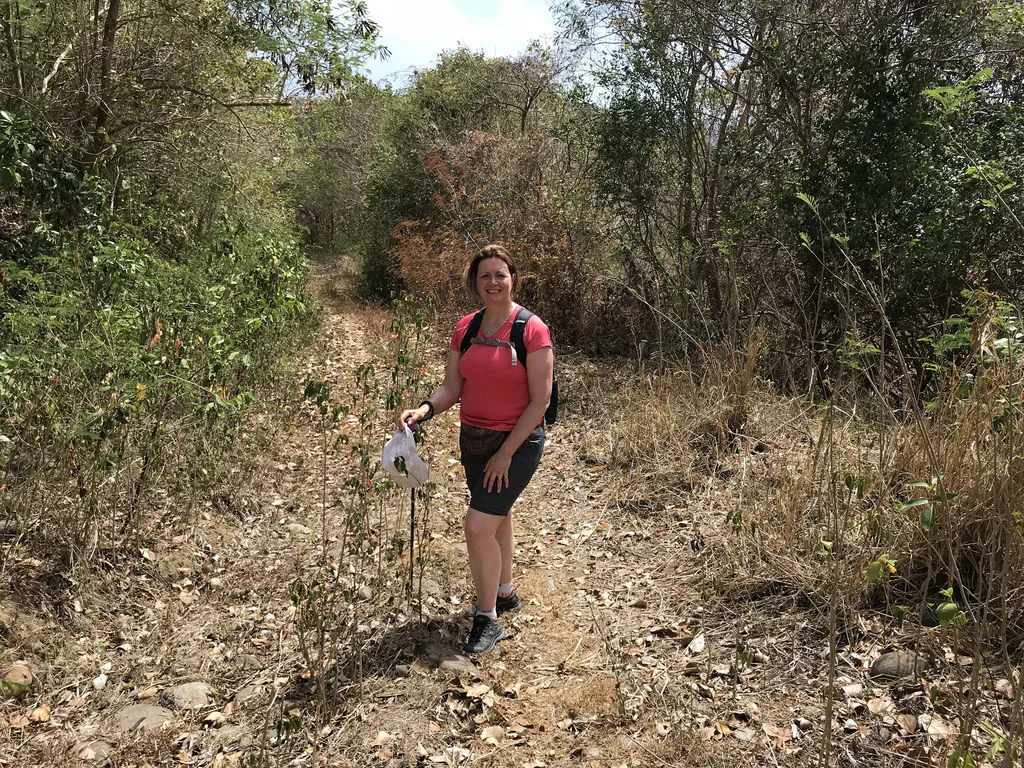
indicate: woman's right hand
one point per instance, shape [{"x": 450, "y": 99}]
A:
[{"x": 413, "y": 417}]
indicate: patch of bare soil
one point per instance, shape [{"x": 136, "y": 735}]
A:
[{"x": 638, "y": 642}]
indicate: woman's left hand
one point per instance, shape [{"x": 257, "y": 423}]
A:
[{"x": 496, "y": 472}]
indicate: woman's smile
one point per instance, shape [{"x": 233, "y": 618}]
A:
[{"x": 494, "y": 281}]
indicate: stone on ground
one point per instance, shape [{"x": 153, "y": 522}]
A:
[
  {"x": 249, "y": 661},
  {"x": 459, "y": 665},
  {"x": 16, "y": 681},
  {"x": 431, "y": 587},
  {"x": 187, "y": 696},
  {"x": 897, "y": 664},
  {"x": 247, "y": 692},
  {"x": 98, "y": 752},
  {"x": 140, "y": 716},
  {"x": 231, "y": 735}
]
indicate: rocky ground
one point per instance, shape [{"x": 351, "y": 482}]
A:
[{"x": 639, "y": 642}]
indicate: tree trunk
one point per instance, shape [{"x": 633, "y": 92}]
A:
[
  {"x": 12, "y": 48},
  {"x": 103, "y": 110}
]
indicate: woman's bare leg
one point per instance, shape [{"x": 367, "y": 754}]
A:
[
  {"x": 507, "y": 542},
  {"x": 485, "y": 556}
]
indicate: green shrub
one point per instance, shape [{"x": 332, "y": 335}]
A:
[{"x": 121, "y": 362}]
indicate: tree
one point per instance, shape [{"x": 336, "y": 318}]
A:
[
  {"x": 719, "y": 115},
  {"x": 149, "y": 272},
  {"x": 336, "y": 139},
  {"x": 122, "y": 79}
]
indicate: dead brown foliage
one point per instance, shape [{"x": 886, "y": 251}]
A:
[{"x": 511, "y": 190}]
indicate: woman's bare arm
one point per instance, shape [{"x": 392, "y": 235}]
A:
[{"x": 443, "y": 398}]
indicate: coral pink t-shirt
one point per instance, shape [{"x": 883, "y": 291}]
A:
[{"x": 494, "y": 392}]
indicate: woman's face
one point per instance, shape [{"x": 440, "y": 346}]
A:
[{"x": 494, "y": 281}]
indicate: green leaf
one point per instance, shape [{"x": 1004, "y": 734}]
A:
[
  {"x": 12, "y": 690},
  {"x": 811, "y": 202},
  {"x": 400, "y": 465},
  {"x": 928, "y": 519},
  {"x": 948, "y": 614},
  {"x": 961, "y": 758},
  {"x": 918, "y": 502},
  {"x": 875, "y": 571}
]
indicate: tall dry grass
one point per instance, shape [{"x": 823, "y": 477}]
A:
[{"x": 912, "y": 516}]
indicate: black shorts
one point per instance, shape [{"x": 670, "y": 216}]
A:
[{"x": 525, "y": 461}]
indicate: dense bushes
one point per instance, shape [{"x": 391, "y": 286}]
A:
[
  {"x": 122, "y": 364},
  {"x": 673, "y": 194},
  {"x": 150, "y": 274},
  {"x": 492, "y": 150},
  {"x": 492, "y": 189}
]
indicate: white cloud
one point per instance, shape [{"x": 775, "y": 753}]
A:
[{"x": 416, "y": 32}]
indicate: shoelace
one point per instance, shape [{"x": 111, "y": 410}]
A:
[{"x": 480, "y": 623}]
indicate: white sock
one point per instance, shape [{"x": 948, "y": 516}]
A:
[
  {"x": 493, "y": 613},
  {"x": 506, "y": 589}
]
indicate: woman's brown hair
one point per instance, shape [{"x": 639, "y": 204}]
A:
[{"x": 492, "y": 251}]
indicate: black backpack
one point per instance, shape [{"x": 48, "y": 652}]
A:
[{"x": 516, "y": 337}]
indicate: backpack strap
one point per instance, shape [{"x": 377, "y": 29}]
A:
[
  {"x": 515, "y": 336},
  {"x": 471, "y": 331},
  {"x": 518, "y": 329}
]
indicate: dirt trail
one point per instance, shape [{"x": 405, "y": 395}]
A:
[{"x": 610, "y": 662}]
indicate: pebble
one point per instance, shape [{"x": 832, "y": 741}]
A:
[
  {"x": 430, "y": 587},
  {"x": 249, "y": 661},
  {"x": 231, "y": 735},
  {"x": 94, "y": 751},
  {"x": 16, "y": 681},
  {"x": 897, "y": 664},
  {"x": 19, "y": 674},
  {"x": 247, "y": 692},
  {"x": 1005, "y": 687},
  {"x": 297, "y": 529},
  {"x": 187, "y": 696},
  {"x": 140, "y": 716},
  {"x": 853, "y": 691},
  {"x": 460, "y": 665}
]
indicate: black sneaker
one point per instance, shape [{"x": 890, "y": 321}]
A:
[
  {"x": 502, "y": 605},
  {"x": 508, "y": 603},
  {"x": 484, "y": 635}
]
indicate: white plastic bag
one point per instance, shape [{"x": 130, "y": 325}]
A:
[{"x": 400, "y": 461}]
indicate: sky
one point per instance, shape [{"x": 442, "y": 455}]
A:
[{"x": 416, "y": 31}]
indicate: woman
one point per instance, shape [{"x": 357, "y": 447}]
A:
[{"x": 502, "y": 433}]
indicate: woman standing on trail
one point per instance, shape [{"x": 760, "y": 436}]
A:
[{"x": 502, "y": 434}]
